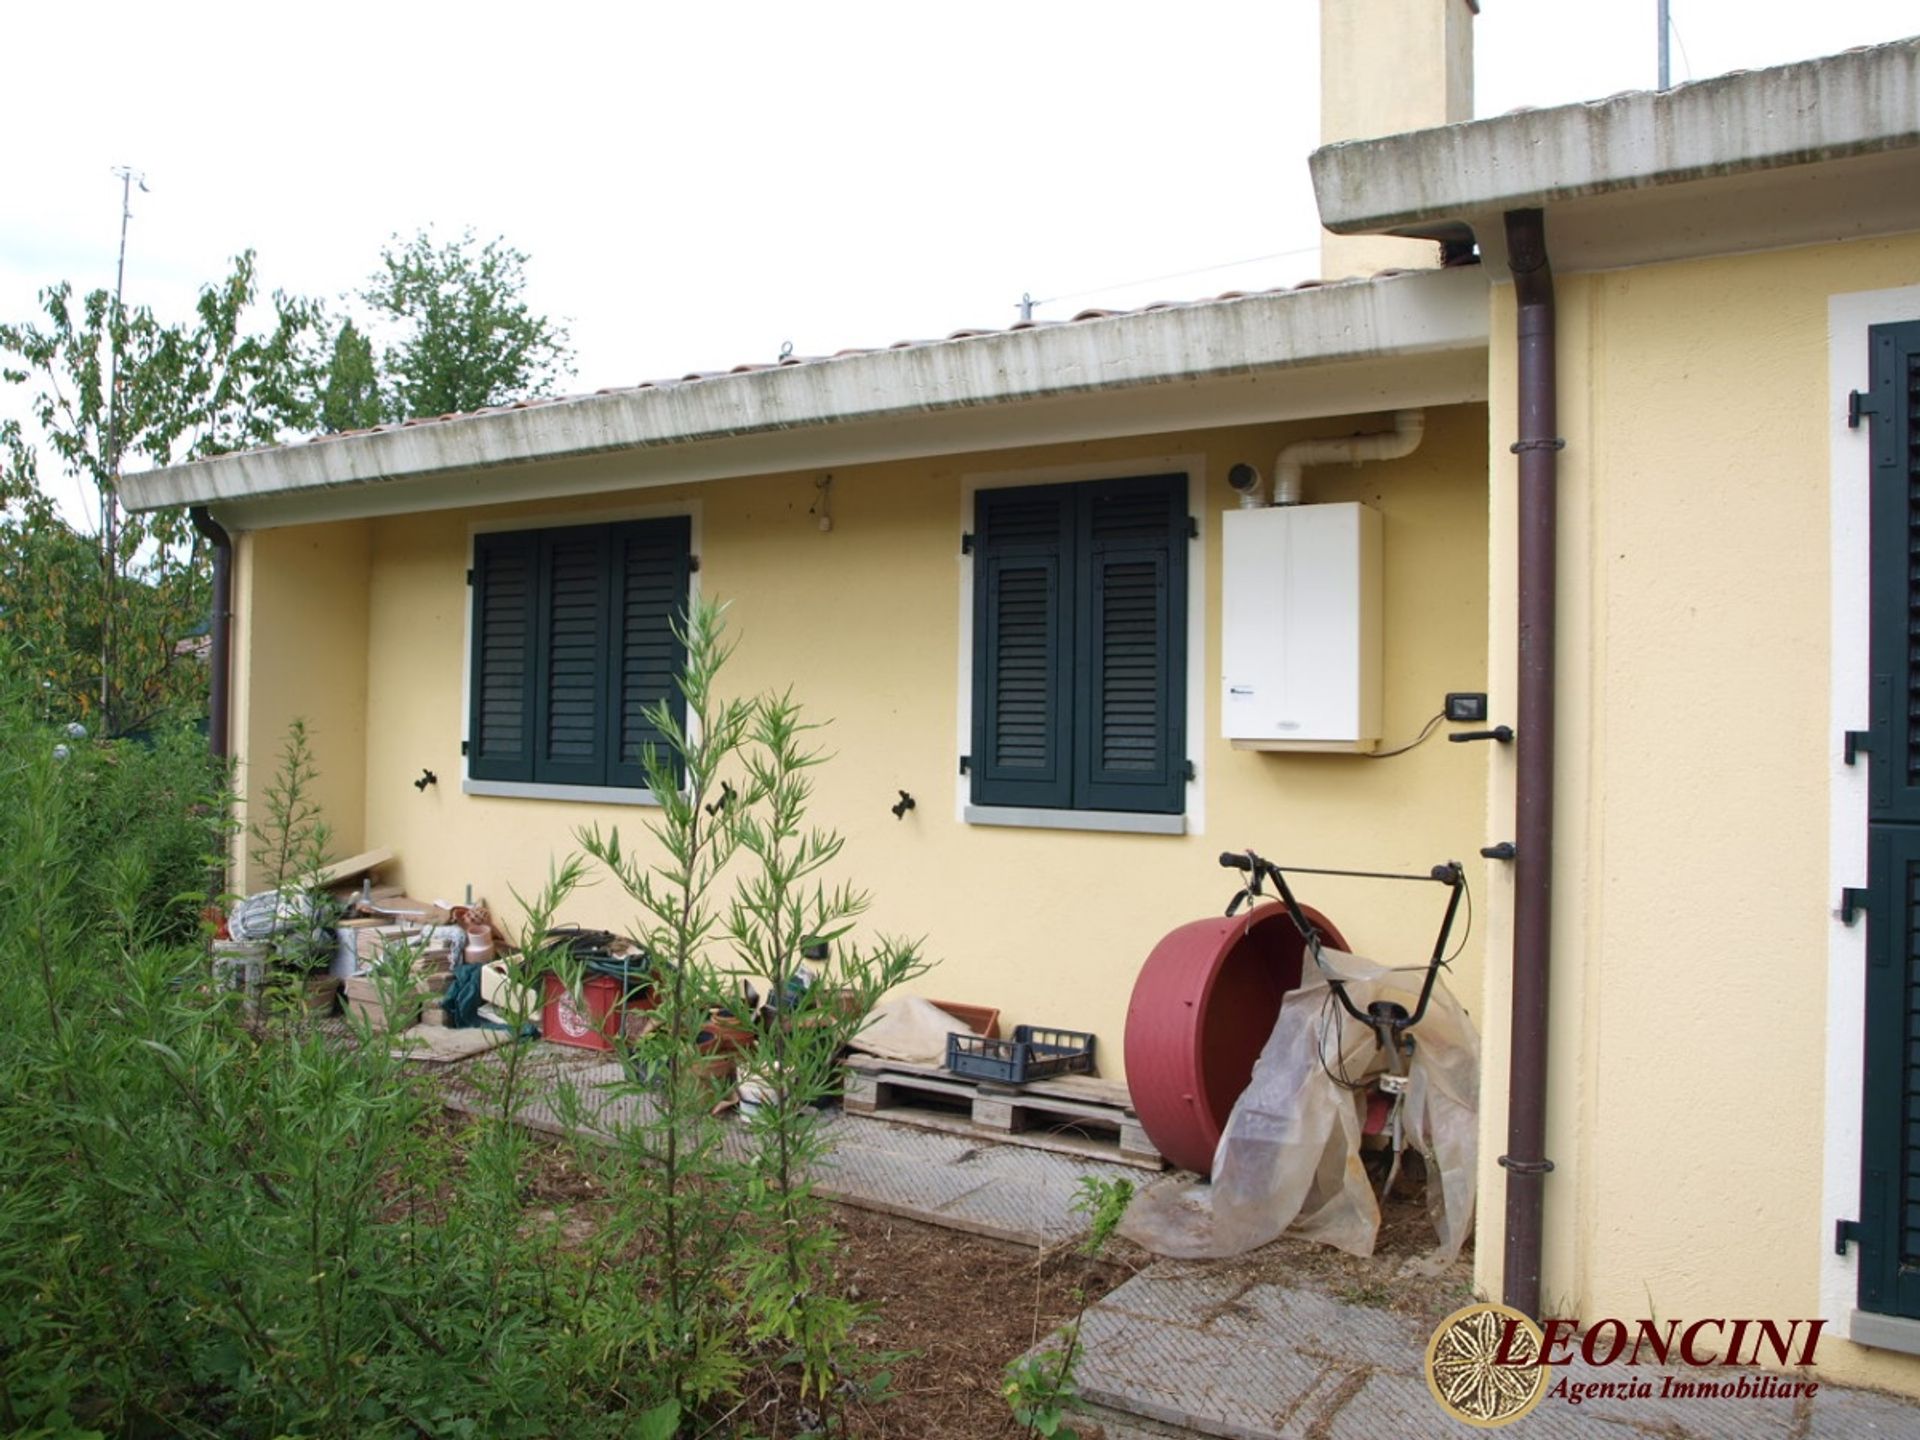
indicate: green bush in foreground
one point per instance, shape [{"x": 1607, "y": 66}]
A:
[{"x": 215, "y": 1223}]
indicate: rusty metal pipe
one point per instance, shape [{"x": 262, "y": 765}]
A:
[
  {"x": 220, "y": 637},
  {"x": 1538, "y": 448}
]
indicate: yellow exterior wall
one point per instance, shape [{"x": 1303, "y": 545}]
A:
[
  {"x": 300, "y": 651},
  {"x": 1689, "y": 1034},
  {"x": 864, "y": 622}
]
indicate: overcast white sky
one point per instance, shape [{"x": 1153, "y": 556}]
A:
[{"x": 697, "y": 183}]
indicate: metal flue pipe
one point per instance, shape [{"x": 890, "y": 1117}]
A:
[{"x": 1538, "y": 448}]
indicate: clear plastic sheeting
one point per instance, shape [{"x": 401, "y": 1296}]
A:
[{"x": 1290, "y": 1153}]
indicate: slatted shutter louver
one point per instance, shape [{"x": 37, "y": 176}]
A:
[
  {"x": 1022, "y": 621},
  {"x": 1890, "y": 1140},
  {"x": 572, "y": 697},
  {"x": 1131, "y": 742},
  {"x": 650, "y": 569},
  {"x": 500, "y": 727}
]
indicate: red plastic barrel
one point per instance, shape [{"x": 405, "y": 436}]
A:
[{"x": 1202, "y": 1009}]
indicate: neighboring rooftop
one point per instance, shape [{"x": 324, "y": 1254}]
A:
[{"x": 1734, "y": 153}]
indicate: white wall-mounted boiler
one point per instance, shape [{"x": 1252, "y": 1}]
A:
[{"x": 1301, "y": 612}]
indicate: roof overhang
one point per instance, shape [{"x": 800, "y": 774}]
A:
[
  {"x": 1816, "y": 151},
  {"x": 1407, "y": 339}
]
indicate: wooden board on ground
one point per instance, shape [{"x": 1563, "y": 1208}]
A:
[
  {"x": 352, "y": 868},
  {"x": 1072, "y": 1114},
  {"x": 435, "y": 1045}
]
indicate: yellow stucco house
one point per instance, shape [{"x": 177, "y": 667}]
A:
[{"x": 1640, "y": 515}]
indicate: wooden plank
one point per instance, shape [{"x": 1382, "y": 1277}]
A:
[{"x": 351, "y": 868}]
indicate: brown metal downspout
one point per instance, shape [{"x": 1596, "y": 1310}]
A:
[
  {"x": 1538, "y": 447},
  {"x": 220, "y": 662}
]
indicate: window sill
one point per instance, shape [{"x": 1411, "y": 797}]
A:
[
  {"x": 579, "y": 794},
  {"x": 1884, "y": 1332},
  {"x": 1121, "y": 822}
]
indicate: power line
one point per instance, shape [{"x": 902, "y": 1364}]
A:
[{"x": 1027, "y": 303}]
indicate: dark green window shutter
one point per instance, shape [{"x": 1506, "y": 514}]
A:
[
  {"x": 500, "y": 715},
  {"x": 650, "y": 567},
  {"x": 1130, "y": 652},
  {"x": 1890, "y": 1131},
  {"x": 1894, "y": 403},
  {"x": 1022, "y": 641},
  {"x": 574, "y": 682}
]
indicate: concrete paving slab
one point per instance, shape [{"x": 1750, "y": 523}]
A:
[
  {"x": 1393, "y": 1404},
  {"x": 1838, "y": 1414},
  {"x": 1217, "y": 1383},
  {"x": 1118, "y": 1425},
  {"x": 1004, "y": 1192},
  {"x": 1752, "y": 1418}
]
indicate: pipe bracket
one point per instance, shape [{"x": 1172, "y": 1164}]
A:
[
  {"x": 1525, "y": 1167},
  {"x": 1520, "y": 447}
]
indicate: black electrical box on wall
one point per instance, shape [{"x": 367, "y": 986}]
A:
[{"x": 1465, "y": 706}]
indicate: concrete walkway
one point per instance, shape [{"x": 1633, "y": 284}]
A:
[
  {"x": 1186, "y": 1348},
  {"x": 1181, "y": 1349}
]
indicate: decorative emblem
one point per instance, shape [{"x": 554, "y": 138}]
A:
[{"x": 1473, "y": 1379}]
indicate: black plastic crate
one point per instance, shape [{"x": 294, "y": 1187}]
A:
[{"x": 1033, "y": 1053}]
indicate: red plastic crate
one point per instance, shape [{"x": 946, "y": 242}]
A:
[{"x": 562, "y": 1021}]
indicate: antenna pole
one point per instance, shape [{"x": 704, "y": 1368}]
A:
[
  {"x": 1666, "y": 32},
  {"x": 110, "y": 491}
]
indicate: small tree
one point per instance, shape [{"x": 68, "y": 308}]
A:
[
  {"x": 466, "y": 337},
  {"x": 120, "y": 651},
  {"x": 350, "y": 398}
]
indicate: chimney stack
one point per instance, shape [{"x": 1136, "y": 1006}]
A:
[{"x": 1386, "y": 67}]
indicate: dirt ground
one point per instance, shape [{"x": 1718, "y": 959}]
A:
[{"x": 953, "y": 1309}]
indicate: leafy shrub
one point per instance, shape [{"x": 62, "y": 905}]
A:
[{"x": 217, "y": 1225}]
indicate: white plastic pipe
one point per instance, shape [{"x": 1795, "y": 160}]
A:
[{"x": 1288, "y": 484}]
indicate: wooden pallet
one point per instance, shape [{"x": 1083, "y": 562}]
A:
[{"x": 1072, "y": 1114}]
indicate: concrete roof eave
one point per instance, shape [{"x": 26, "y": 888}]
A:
[
  {"x": 909, "y": 388},
  {"x": 1712, "y": 138}
]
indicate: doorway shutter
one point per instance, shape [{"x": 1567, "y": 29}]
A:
[{"x": 1890, "y": 1142}]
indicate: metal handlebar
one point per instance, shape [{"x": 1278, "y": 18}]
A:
[{"x": 1380, "y": 1017}]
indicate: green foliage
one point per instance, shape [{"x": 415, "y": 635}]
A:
[
  {"x": 733, "y": 893},
  {"x": 217, "y": 1225},
  {"x": 222, "y": 381},
  {"x": 1041, "y": 1388},
  {"x": 288, "y": 844},
  {"x": 467, "y": 338},
  {"x": 350, "y": 395}
]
